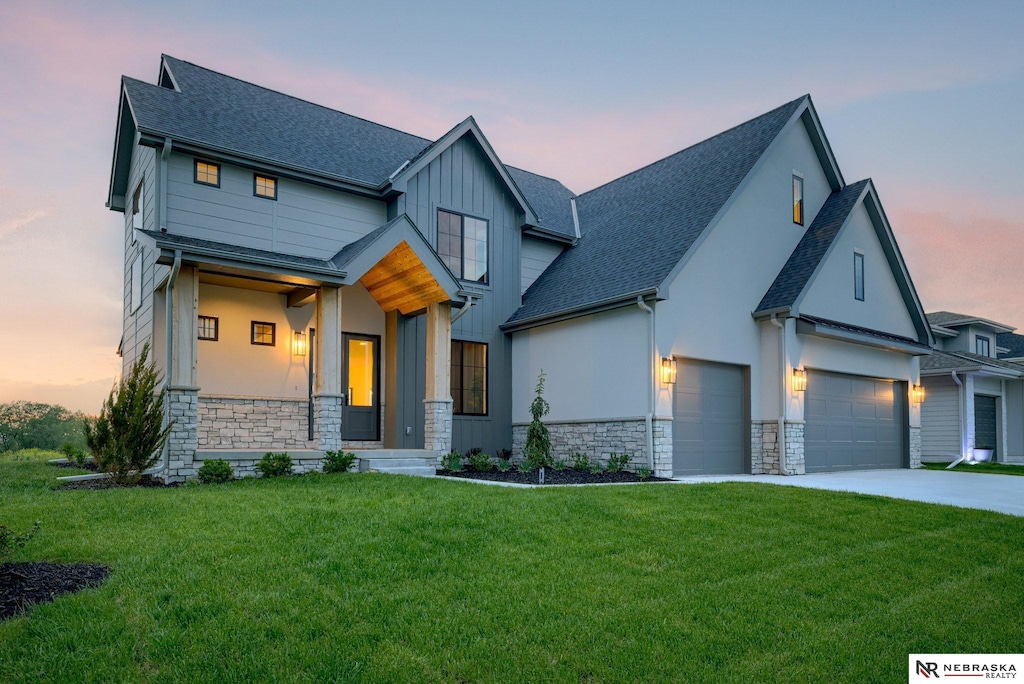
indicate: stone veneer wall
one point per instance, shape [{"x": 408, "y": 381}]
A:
[
  {"x": 253, "y": 423},
  {"x": 915, "y": 447},
  {"x": 247, "y": 467},
  {"x": 598, "y": 439},
  {"x": 768, "y": 437},
  {"x": 437, "y": 425},
  {"x": 182, "y": 404}
]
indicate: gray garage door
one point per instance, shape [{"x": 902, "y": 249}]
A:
[
  {"x": 852, "y": 423},
  {"x": 708, "y": 427}
]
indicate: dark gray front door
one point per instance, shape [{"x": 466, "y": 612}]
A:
[
  {"x": 984, "y": 422},
  {"x": 852, "y": 422},
  {"x": 708, "y": 426},
  {"x": 360, "y": 416}
]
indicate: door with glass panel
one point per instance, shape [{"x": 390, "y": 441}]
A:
[{"x": 360, "y": 416}]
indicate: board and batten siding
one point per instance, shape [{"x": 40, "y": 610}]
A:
[
  {"x": 940, "y": 418},
  {"x": 304, "y": 220},
  {"x": 537, "y": 255},
  {"x": 462, "y": 180},
  {"x": 138, "y": 325}
]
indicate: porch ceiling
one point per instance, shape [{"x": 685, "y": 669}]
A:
[{"x": 401, "y": 281}]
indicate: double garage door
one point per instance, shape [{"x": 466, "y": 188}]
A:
[{"x": 851, "y": 423}]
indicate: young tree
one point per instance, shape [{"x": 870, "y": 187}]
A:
[{"x": 538, "y": 439}]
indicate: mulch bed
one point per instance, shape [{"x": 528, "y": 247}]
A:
[
  {"x": 552, "y": 477},
  {"x": 88, "y": 465},
  {"x": 23, "y": 585},
  {"x": 145, "y": 481}
]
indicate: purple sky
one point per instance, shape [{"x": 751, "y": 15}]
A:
[{"x": 927, "y": 99}]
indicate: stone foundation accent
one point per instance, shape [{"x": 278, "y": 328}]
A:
[
  {"x": 764, "y": 440},
  {"x": 253, "y": 423},
  {"x": 437, "y": 425},
  {"x": 247, "y": 467},
  {"x": 183, "y": 408},
  {"x": 599, "y": 439},
  {"x": 327, "y": 421},
  {"x": 915, "y": 447},
  {"x": 795, "y": 462}
]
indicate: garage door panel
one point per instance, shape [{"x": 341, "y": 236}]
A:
[
  {"x": 862, "y": 410},
  {"x": 708, "y": 432},
  {"x": 838, "y": 408}
]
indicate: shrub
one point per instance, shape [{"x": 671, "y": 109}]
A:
[
  {"x": 10, "y": 540},
  {"x": 452, "y": 462},
  {"x": 479, "y": 461},
  {"x": 538, "y": 439},
  {"x": 580, "y": 461},
  {"x": 560, "y": 464},
  {"x": 504, "y": 454},
  {"x": 215, "y": 470},
  {"x": 504, "y": 464},
  {"x": 275, "y": 465},
  {"x": 526, "y": 466},
  {"x": 473, "y": 452},
  {"x": 338, "y": 461},
  {"x": 597, "y": 467},
  {"x": 74, "y": 453},
  {"x": 618, "y": 462},
  {"x": 129, "y": 434},
  {"x": 643, "y": 472}
]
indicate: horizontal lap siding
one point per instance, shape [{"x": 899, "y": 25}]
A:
[
  {"x": 138, "y": 326},
  {"x": 537, "y": 256},
  {"x": 940, "y": 418}
]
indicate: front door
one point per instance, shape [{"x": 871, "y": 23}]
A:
[{"x": 360, "y": 416}]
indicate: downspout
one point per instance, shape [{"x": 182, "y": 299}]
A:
[
  {"x": 782, "y": 393},
  {"x": 470, "y": 301},
  {"x": 169, "y": 333},
  {"x": 960, "y": 406},
  {"x": 649, "y": 418}
]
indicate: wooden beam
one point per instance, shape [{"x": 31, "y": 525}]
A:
[
  {"x": 185, "y": 352},
  {"x": 439, "y": 349},
  {"x": 416, "y": 298},
  {"x": 301, "y": 297},
  {"x": 328, "y": 340}
]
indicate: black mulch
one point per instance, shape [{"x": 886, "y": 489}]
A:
[
  {"x": 88, "y": 465},
  {"x": 145, "y": 481},
  {"x": 552, "y": 477},
  {"x": 22, "y": 585}
]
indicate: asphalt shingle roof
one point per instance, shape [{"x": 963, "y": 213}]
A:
[
  {"x": 942, "y": 318},
  {"x": 1013, "y": 342},
  {"x": 634, "y": 230},
  {"x": 185, "y": 241},
  {"x": 957, "y": 360},
  {"x": 811, "y": 249},
  {"x": 865, "y": 331}
]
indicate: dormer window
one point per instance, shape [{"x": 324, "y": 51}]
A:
[
  {"x": 207, "y": 173},
  {"x": 137, "y": 209},
  {"x": 858, "y": 276},
  {"x": 264, "y": 186},
  {"x": 982, "y": 346},
  {"x": 798, "y": 199}
]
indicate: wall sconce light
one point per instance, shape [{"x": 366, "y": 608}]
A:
[
  {"x": 917, "y": 394},
  {"x": 298, "y": 343},
  {"x": 668, "y": 371},
  {"x": 799, "y": 380}
]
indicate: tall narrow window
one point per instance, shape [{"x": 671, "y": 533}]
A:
[
  {"x": 136, "y": 284},
  {"x": 137, "y": 209},
  {"x": 469, "y": 378},
  {"x": 798, "y": 200},
  {"x": 982, "y": 346},
  {"x": 264, "y": 186},
  {"x": 462, "y": 245},
  {"x": 207, "y": 173},
  {"x": 858, "y": 276}
]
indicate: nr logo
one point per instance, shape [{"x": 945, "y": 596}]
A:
[{"x": 927, "y": 669}]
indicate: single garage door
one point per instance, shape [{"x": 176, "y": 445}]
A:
[
  {"x": 852, "y": 422},
  {"x": 708, "y": 427}
]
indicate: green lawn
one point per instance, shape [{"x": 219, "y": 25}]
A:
[
  {"x": 386, "y": 578},
  {"x": 997, "y": 468}
]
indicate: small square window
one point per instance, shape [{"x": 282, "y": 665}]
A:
[
  {"x": 798, "y": 200},
  {"x": 265, "y": 187},
  {"x": 264, "y": 333},
  {"x": 858, "y": 276},
  {"x": 209, "y": 328},
  {"x": 207, "y": 173},
  {"x": 982, "y": 346}
]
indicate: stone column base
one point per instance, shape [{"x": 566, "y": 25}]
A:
[
  {"x": 764, "y": 439},
  {"x": 183, "y": 409},
  {"x": 327, "y": 421},
  {"x": 915, "y": 447},
  {"x": 437, "y": 425},
  {"x": 599, "y": 439}
]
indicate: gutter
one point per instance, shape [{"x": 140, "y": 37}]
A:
[
  {"x": 470, "y": 301},
  {"x": 649, "y": 418},
  {"x": 782, "y": 393},
  {"x": 577, "y": 311}
]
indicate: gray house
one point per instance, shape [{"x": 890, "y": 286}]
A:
[{"x": 311, "y": 281}]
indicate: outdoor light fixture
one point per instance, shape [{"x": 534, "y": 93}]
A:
[
  {"x": 298, "y": 344},
  {"x": 799, "y": 380},
  {"x": 917, "y": 394},
  {"x": 668, "y": 371}
]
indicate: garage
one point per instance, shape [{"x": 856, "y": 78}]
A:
[
  {"x": 853, "y": 422},
  {"x": 710, "y": 428}
]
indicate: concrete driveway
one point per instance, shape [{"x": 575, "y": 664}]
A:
[{"x": 1001, "y": 493}]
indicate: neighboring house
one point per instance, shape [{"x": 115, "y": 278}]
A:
[
  {"x": 974, "y": 392},
  {"x": 313, "y": 281}
]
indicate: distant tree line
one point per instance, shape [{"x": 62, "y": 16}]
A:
[{"x": 29, "y": 424}]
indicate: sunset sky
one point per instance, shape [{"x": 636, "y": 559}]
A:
[{"x": 925, "y": 98}]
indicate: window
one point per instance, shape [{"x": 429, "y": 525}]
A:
[
  {"x": 209, "y": 328},
  {"x": 798, "y": 200},
  {"x": 136, "y": 284},
  {"x": 264, "y": 333},
  {"x": 982, "y": 346},
  {"x": 137, "y": 209},
  {"x": 858, "y": 276},
  {"x": 207, "y": 173},
  {"x": 462, "y": 245},
  {"x": 469, "y": 378},
  {"x": 265, "y": 187}
]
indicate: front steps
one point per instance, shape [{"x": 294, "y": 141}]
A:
[{"x": 421, "y": 462}]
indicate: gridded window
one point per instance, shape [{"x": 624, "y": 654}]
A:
[
  {"x": 858, "y": 276},
  {"x": 207, "y": 173},
  {"x": 462, "y": 245},
  {"x": 264, "y": 333},
  {"x": 265, "y": 187},
  {"x": 982, "y": 346},
  {"x": 209, "y": 328},
  {"x": 798, "y": 200},
  {"x": 469, "y": 378}
]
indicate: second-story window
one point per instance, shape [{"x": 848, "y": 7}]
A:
[
  {"x": 462, "y": 245},
  {"x": 798, "y": 200},
  {"x": 264, "y": 186},
  {"x": 207, "y": 173},
  {"x": 137, "y": 209},
  {"x": 858, "y": 276},
  {"x": 982, "y": 346}
]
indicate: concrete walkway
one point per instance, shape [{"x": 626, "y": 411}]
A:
[{"x": 1000, "y": 493}]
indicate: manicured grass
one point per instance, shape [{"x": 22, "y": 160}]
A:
[
  {"x": 373, "y": 577},
  {"x": 997, "y": 468}
]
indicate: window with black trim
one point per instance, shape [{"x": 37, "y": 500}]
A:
[
  {"x": 858, "y": 276},
  {"x": 982, "y": 346},
  {"x": 264, "y": 186},
  {"x": 136, "y": 284},
  {"x": 264, "y": 333},
  {"x": 469, "y": 378},
  {"x": 137, "y": 209},
  {"x": 462, "y": 245},
  {"x": 798, "y": 200},
  {"x": 207, "y": 173},
  {"x": 209, "y": 328}
]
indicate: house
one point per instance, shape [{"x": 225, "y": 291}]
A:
[
  {"x": 974, "y": 391},
  {"x": 312, "y": 281}
]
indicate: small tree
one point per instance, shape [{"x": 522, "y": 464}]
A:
[
  {"x": 129, "y": 434},
  {"x": 538, "y": 439}
]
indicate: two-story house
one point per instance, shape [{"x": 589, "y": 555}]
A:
[
  {"x": 310, "y": 281},
  {"x": 974, "y": 392}
]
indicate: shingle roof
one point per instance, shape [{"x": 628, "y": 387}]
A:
[
  {"x": 957, "y": 360},
  {"x": 634, "y": 230},
  {"x": 942, "y": 318},
  {"x": 549, "y": 198},
  {"x": 242, "y": 253},
  {"x": 1013, "y": 342},
  {"x": 811, "y": 249},
  {"x": 849, "y": 327}
]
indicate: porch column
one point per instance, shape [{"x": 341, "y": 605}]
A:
[
  {"x": 327, "y": 395},
  {"x": 437, "y": 404},
  {"x": 182, "y": 390}
]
